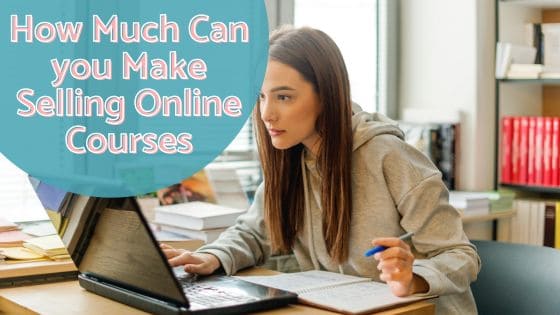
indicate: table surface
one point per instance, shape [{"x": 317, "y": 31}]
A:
[{"x": 69, "y": 298}]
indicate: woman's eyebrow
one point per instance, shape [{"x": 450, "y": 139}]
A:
[{"x": 281, "y": 88}]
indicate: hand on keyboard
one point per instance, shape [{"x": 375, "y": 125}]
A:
[{"x": 199, "y": 263}]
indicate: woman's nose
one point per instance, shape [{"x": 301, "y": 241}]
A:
[{"x": 267, "y": 111}]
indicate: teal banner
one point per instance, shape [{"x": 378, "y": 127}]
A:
[{"x": 118, "y": 98}]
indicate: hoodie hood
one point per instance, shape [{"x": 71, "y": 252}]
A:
[{"x": 368, "y": 125}]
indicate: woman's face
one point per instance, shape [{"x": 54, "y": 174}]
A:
[{"x": 289, "y": 108}]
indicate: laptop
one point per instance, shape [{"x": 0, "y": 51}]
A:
[{"x": 119, "y": 258}]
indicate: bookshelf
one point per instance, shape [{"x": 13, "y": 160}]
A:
[
  {"x": 524, "y": 97},
  {"x": 543, "y": 190},
  {"x": 537, "y": 192},
  {"x": 531, "y": 81}
]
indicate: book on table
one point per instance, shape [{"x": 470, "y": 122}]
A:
[
  {"x": 197, "y": 215},
  {"x": 471, "y": 203},
  {"x": 208, "y": 235},
  {"x": 336, "y": 292}
]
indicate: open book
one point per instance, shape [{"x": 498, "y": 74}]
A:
[{"x": 334, "y": 291}]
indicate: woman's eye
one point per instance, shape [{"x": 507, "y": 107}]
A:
[
  {"x": 261, "y": 96},
  {"x": 283, "y": 97}
]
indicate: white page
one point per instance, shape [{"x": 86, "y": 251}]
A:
[
  {"x": 356, "y": 298},
  {"x": 303, "y": 281},
  {"x": 38, "y": 228}
]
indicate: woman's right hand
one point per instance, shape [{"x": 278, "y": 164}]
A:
[{"x": 199, "y": 263}]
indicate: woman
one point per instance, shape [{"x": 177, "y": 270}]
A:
[{"x": 336, "y": 178}]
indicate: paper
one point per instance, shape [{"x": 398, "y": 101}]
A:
[
  {"x": 19, "y": 253},
  {"x": 303, "y": 281},
  {"x": 12, "y": 238},
  {"x": 333, "y": 291},
  {"x": 40, "y": 228},
  {"x": 48, "y": 245},
  {"x": 6, "y": 225}
]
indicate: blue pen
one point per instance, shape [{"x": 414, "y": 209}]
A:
[{"x": 380, "y": 248}]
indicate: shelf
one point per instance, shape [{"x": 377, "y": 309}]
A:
[
  {"x": 545, "y": 4},
  {"x": 487, "y": 217},
  {"x": 533, "y": 189},
  {"x": 531, "y": 81}
]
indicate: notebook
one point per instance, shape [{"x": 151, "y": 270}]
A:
[
  {"x": 336, "y": 292},
  {"x": 121, "y": 260}
]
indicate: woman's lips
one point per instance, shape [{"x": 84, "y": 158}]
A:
[{"x": 275, "y": 132}]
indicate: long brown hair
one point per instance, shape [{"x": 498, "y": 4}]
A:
[{"x": 317, "y": 58}]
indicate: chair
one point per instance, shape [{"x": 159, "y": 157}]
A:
[{"x": 517, "y": 279}]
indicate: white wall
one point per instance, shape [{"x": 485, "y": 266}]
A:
[{"x": 446, "y": 62}]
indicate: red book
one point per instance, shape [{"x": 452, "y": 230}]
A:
[
  {"x": 515, "y": 150},
  {"x": 523, "y": 150},
  {"x": 531, "y": 154},
  {"x": 507, "y": 132},
  {"x": 555, "y": 148},
  {"x": 539, "y": 156},
  {"x": 547, "y": 152}
]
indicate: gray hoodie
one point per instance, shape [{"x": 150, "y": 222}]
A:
[{"x": 395, "y": 189}]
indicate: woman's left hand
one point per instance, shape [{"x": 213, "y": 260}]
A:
[{"x": 395, "y": 264}]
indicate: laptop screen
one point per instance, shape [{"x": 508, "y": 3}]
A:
[{"x": 121, "y": 247}]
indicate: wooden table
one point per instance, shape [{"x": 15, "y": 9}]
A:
[{"x": 69, "y": 298}]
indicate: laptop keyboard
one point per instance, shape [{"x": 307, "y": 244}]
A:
[
  {"x": 205, "y": 295},
  {"x": 211, "y": 296}
]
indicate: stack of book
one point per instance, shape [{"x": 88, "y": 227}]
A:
[
  {"x": 508, "y": 54},
  {"x": 17, "y": 246},
  {"x": 10, "y": 234},
  {"x": 470, "y": 203},
  {"x": 196, "y": 220},
  {"x": 529, "y": 151},
  {"x": 50, "y": 246},
  {"x": 501, "y": 200}
]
